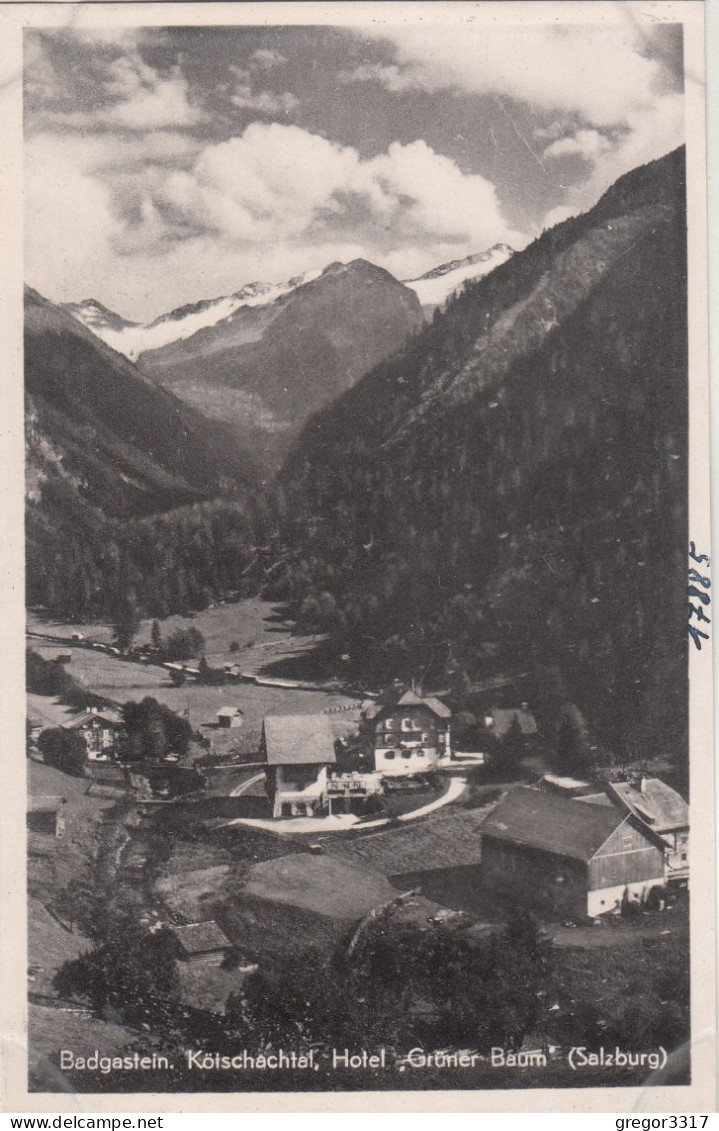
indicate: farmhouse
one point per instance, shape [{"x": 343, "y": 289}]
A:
[
  {"x": 571, "y": 858},
  {"x": 664, "y": 811},
  {"x": 298, "y": 749},
  {"x": 100, "y": 732},
  {"x": 407, "y": 731},
  {"x": 202, "y": 943}
]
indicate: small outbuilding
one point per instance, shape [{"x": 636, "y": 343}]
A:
[
  {"x": 230, "y": 717},
  {"x": 44, "y": 815},
  {"x": 203, "y": 944},
  {"x": 548, "y": 851}
]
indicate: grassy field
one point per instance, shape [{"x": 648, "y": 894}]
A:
[
  {"x": 257, "y": 628},
  {"x": 250, "y": 622}
]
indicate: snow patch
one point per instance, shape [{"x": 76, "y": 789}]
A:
[
  {"x": 434, "y": 288},
  {"x": 132, "y": 340}
]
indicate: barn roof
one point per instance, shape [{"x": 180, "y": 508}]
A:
[
  {"x": 321, "y": 885},
  {"x": 534, "y": 819},
  {"x": 200, "y": 938},
  {"x": 299, "y": 740},
  {"x": 448, "y": 838},
  {"x": 653, "y": 801}
]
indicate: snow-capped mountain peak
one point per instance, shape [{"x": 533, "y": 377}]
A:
[
  {"x": 134, "y": 338},
  {"x": 436, "y": 286}
]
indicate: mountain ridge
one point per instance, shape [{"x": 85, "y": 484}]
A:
[{"x": 509, "y": 490}]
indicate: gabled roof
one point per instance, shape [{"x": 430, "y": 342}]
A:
[
  {"x": 535, "y": 819},
  {"x": 321, "y": 885},
  {"x": 400, "y": 696},
  {"x": 654, "y": 802},
  {"x": 200, "y": 938},
  {"x": 299, "y": 740},
  {"x": 88, "y": 716}
]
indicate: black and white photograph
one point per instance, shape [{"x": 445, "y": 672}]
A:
[{"x": 363, "y": 583}]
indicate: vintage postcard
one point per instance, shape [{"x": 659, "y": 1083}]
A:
[{"x": 358, "y": 695}]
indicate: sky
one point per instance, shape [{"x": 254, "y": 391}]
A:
[{"x": 169, "y": 165}]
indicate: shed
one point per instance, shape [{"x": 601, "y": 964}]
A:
[
  {"x": 541, "y": 849},
  {"x": 44, "y": 814},
  {"x": 202, "y": 943},
  {"x": 230, "y": 717}
]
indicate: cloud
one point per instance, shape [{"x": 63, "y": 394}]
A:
[
  {"x": 145, "y": 100},
  {"x": 601, "y": 72},
  {"x": 268, "y": 204},
  {"x": 129, "y": 94},
  {"x": 613, "y": 95},
  {"x": 589, "y": 144},
  {"x": 267, "y": 57},
  {"x": 263, "y": 101},
  {"x": 278, "y": 181}
]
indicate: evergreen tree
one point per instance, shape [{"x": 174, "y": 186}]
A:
[
  {"x": 573, "y": 753},
  {"x": 127, "y": 623}
]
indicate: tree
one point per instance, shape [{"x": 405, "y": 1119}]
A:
[
  {"x": 64, "y": 750},
  {"x": 127, "y": 623},
  {"x": 512, "y": 747},
  {"x": 184, "y": 644},
  {"x": 127, "y": 973},
  {"x": 573, "y": 752},
  {"x": 153, "y": 730},
  {"x": 156, "y": 636}
]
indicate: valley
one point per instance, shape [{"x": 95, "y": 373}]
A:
[{"x": 357, "y": 661}]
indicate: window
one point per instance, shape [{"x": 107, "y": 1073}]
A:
[
  {"x": 389, "y": 723},
  {"x": 406, "y": 724},
  {"x": 389, "y": 755},
  {"x": 406, "y": 753}
]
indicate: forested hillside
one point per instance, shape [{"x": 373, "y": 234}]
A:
[
  {"x": 106, "y": 448},
  {"x": 509, "y": 492}
]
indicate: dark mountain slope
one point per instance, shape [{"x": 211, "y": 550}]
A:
[
  {"x": 104, "y": 443},
  {"x": 267, "y": 368},
  {"x": 509, "y": 493}
]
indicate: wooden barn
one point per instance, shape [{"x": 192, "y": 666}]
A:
[
  {"x": 572, "y": 859},
  {"x": 202, "y": 943}
]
